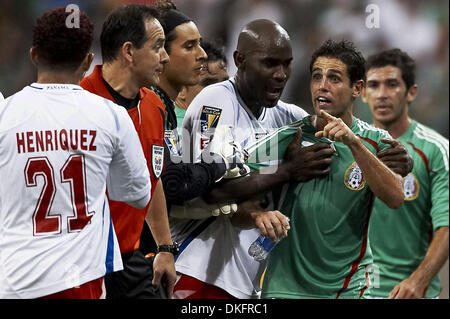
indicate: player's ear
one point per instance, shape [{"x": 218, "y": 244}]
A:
[
  {"x": 86, "y": 64},
  {"x": 357, "y": 88},
  {"x": 34, "y": 56},
  {"x": 127, "y": 51},
  {"x": 239, "y": 59},
  {"x": 412, "y": 93}
]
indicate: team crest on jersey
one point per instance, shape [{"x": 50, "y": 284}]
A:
[
  {"x": 157, "y": 160},
  {"x": 353, "y": 178},
  {"x": 171, "y": 140},
  {"x": 209, "y": 118},
  {"x": 411, "y": 187}
]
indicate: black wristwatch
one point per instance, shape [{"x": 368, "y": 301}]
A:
[{"x": 174, "y": 248}]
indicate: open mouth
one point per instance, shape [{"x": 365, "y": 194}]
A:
[
  {"x": 323, "y": 101},
  {"x": 274, "y": 92}
]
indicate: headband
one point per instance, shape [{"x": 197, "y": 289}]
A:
[{"x": 173, "y": 18}]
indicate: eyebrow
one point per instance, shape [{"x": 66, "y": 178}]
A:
[
  {"x": 192, "y": 41},
  {"x": 331, "y": 70}
]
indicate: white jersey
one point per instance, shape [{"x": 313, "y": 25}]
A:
[
  {"x": 1, "y": 97},
  {"x": 213, "y": 250},
  {"x": 60, "y": 146}
]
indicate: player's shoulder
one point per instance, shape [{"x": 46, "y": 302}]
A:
[
  {"x": 429, "y": 140},
  {"x": 101, "y": 110},
  {"x": 220, "y": 96},
  {"x": 217, "y": 92},
  {"x": 367, "y": 130},
  {"x": 428, "y": 135},
  {"x": 298, "y": 111}
]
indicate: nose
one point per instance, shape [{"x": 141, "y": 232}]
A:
[
  {"x": 323, "y": 84},
  {"x": 163, "y": 56},
  {"x": 382, "y": 92},
  {"x": 201, "y": 54},
  {"x": 281, "y": 73}
]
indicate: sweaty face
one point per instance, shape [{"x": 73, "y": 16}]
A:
[
  {"x": 186, "y": 56},
  {"x": 267, "y": 72},
  {"x": 149, "y": 60},
  {"x": 330, "y": 87},
  {"x": 386, "y": 94}
]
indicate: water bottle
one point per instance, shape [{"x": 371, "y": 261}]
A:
[{"x": 261, "y": 247}]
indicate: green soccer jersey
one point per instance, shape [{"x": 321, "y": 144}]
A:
[
  {"x": 400, "y": 238},
  {"x": 180, "y": 113},
  {"x": 326, "y": 252}
]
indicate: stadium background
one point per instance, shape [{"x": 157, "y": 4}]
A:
[{"x": 417, "y": 26}]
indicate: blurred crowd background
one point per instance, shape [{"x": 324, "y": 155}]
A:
[{"x": 417, "y": 26}]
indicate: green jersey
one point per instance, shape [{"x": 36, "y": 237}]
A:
[
  {"x": 326, "y": 252},
  {"x": 400, "y": 238},
  {"x": 180, "y": 113}
]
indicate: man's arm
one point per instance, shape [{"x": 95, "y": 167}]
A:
[
  {"x": 384, "y": 183},
  {"x": 300, "y": 164},
  {"x": 415, "y": 285},
  {"x": 157, "y": 219},
  {"x": 272, "y": 224}
]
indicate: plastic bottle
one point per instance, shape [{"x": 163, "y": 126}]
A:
[{"x": 261, "y": 247}]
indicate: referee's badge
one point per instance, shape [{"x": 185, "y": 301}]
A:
[
  {"x": 353, "y": 178},
  {"x": 157, "y": 160},
  {"x": 411, "y": 187}
]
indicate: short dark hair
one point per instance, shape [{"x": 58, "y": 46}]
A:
[
  {"x": 214, "y": 51},
  {"x": 126, "y": 23},
  {"x": 346, "y": 52},
  {"x": 59, "y": 46},
  {"x": 397, "y": 58},
  {"x": 170, "y": 18}
]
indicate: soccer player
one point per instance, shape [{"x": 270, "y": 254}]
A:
[
  {"x": 181, "y": 181},
  {"x": 214, "y": 70},
  {"x": 61, "y": 149},
  {"x": 213, "y": 258},
  {"x": 132, "y": 44},
  {"x": 326, "y": 252},
  {"x": 409, "y": 244}
]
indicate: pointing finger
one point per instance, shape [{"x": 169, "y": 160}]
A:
[{"x": 327, "y": 116}]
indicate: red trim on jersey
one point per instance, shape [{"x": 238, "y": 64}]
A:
[
  {"x": 368, "y": 140},
  {"x": 366, "y": 286},
  {"x": 190, "y": 288},
  {"x": 355, "y": 264},
  {"x": 422, "y": 155},
  {"x": 90, "y": 290}
]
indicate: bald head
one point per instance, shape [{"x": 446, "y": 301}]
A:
[
  {"x": 263, "y": 59},
  {"x": 260, "y": 35}
]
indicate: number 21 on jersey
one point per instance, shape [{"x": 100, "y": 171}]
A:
[{"x": 73, "y": 176}]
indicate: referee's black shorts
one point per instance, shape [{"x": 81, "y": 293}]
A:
[{"x": 135, "y": 280}]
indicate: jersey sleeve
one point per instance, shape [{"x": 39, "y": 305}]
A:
[
  {"x": 383, "y": 134},
  {"x": 128, "y": 177},
  {"x": 212, "y": 107},
  {"x": 439, "y": 166}
]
